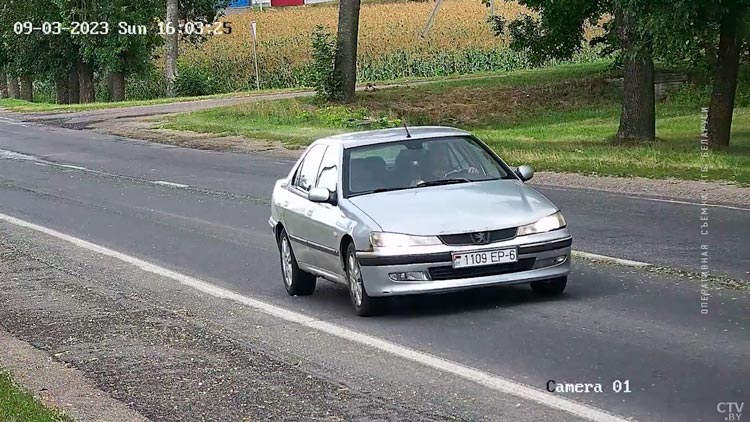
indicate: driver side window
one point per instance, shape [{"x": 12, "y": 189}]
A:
[{"x": 329, "y": 174}]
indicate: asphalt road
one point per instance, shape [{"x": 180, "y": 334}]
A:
[{"x": 614, "y": 323}]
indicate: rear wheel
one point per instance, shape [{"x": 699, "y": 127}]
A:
[
  {"x": 551, "y": 287},
  {"x": 296, "y": 281},
  {"x": 363, "y": 304}
]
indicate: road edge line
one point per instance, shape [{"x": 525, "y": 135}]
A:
[
  {"x": 494, "y": 382},
  {"x": 610, "y": 259}
]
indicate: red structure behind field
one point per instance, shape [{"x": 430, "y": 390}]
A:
[{"x": 278, "y": 3}]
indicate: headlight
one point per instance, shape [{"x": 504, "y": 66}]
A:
[
  {"x": 398, "y": 240},
  {"x": 545, "y": 224}
]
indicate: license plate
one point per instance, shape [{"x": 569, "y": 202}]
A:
[{"x": 489, "y": 257}]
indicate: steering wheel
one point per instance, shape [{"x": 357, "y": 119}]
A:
[
  {"x": 452, "y": 172},
  {"x": 460, "y": 170}
]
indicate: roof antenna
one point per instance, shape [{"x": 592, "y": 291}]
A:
[{"x": 408, "y": 135}]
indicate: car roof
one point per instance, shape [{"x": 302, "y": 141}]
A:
[{"x": 372, "y": 137}]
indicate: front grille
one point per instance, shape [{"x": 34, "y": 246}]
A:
[
  {"x": 447, "y": 272},
  {"x": 468, "y": 239}
]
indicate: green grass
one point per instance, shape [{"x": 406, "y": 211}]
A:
[
  {"x": 560, "y": 118},
  {"x": 28, "y": 107},
  {"x": 17, "y": 405}
]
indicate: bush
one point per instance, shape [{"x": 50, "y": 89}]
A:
[
  {"x": 193, "y": 81},
  {"x": 327, "y": 85}
]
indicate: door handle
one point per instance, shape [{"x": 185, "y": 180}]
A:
[{"x": 309, "y": 212}]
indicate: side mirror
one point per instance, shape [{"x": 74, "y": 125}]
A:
[
  {"x": 525, "y": 172},
  {"x": 322, "y": 195}
]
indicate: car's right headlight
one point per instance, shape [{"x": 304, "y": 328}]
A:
[
  {"x": 544, "y": 224},
  {"x": 398, "y": 240}
]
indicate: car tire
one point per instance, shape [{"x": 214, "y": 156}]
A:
[
  {"x": 363, "y": 304},
  {"x": 551, "y": 287},
  {"x": 296, "y": 281}
]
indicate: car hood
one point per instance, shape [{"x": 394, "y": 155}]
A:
[{"x": 459, "y": 208}]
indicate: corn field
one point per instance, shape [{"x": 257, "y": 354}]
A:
[{"x": 390, "y": 44}]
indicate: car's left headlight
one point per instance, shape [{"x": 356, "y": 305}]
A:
[
  {"x": 396, "y": 240},
  {"x": 545, "y": 224}
]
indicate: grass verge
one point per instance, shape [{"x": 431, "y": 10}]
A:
[
  {"x": 30, "y": 107},
  {"x": 560, "y": 118},
  {"x": 17, "y": 405}
]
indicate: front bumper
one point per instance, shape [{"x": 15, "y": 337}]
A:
[{"x": 536, "y": 261}]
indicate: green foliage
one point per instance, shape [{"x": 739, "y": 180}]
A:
[
  {"x": 19, "y": 405},
  {"x": 194, "y": 81},
  {"x": 325, "y": 81},
  {"x": 556, "y": 32}
]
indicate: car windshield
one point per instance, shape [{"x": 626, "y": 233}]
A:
[{"x": 419, "y": 163}]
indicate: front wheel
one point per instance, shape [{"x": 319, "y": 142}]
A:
[
  {"x": 551, "y": 287},
  {"x": 363, "y": 304},
  {"x": 296, "y": 281}
]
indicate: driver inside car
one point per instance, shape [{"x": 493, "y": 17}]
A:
[{"x": 439, "y": 165}]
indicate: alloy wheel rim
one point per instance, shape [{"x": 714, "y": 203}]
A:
[
  {"x": 286, "y": 261},
  {"x": 355, "y": 280}
]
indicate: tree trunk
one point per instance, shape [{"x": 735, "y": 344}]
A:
[
  {"x": 14, "y": 91},
  {"x": 3, "y": 85},
  {"x": 62, "y": 91},
  {"x": 27, "y": 88},
  {"x": 345, "y": 67},
  {"x": 725, "y": 79},
  {"x": 74, "y": 86},
  {"x": 638, "y": 117},
  {"x": 170, "y": 49},
  {"x": 117, "y": 80},
  {"x": 86, "y": 82}
]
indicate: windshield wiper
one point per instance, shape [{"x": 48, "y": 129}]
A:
[
  {"x": 443, "y": 182},
  {"x": 378, "y": 190}
]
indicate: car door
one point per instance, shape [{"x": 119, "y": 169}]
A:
[
  {"x": 327, "y": 222},
  {"x": 298, "y": 209}
]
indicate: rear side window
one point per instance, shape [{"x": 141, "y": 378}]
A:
[{"x": 308, "y": 170}]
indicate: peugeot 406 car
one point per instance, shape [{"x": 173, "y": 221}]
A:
[{"x": 411, "y": 211}]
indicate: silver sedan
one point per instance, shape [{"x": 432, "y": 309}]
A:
[{"x": 410, "y": 211}]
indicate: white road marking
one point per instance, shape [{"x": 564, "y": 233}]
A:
[
  {"x": 10, "y": 155},
  {"x": 674, "y": 201},
  {"x": 644, "y": 198},
  {"x": 9, "y": 121},
  {"x": 606, "y": 258},
  {"x": 170, "y": 184},
  {"x": 68, "y": 166},
  {"x": 495, "y": 382}
]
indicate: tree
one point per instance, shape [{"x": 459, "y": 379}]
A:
[
  {"x": 725, "y": 75},
  {"x": 559, "y": 31},
  {"x": 3, "y": 76},
  {"x": 345, "y": 67},
  {"x": 205, "y": 11},
  {"x": 708, "y": 35},
  {"x": 638, "y": 116},
  {"x": 3, "y": 85},
  {"x": 170, "y": 51}
]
